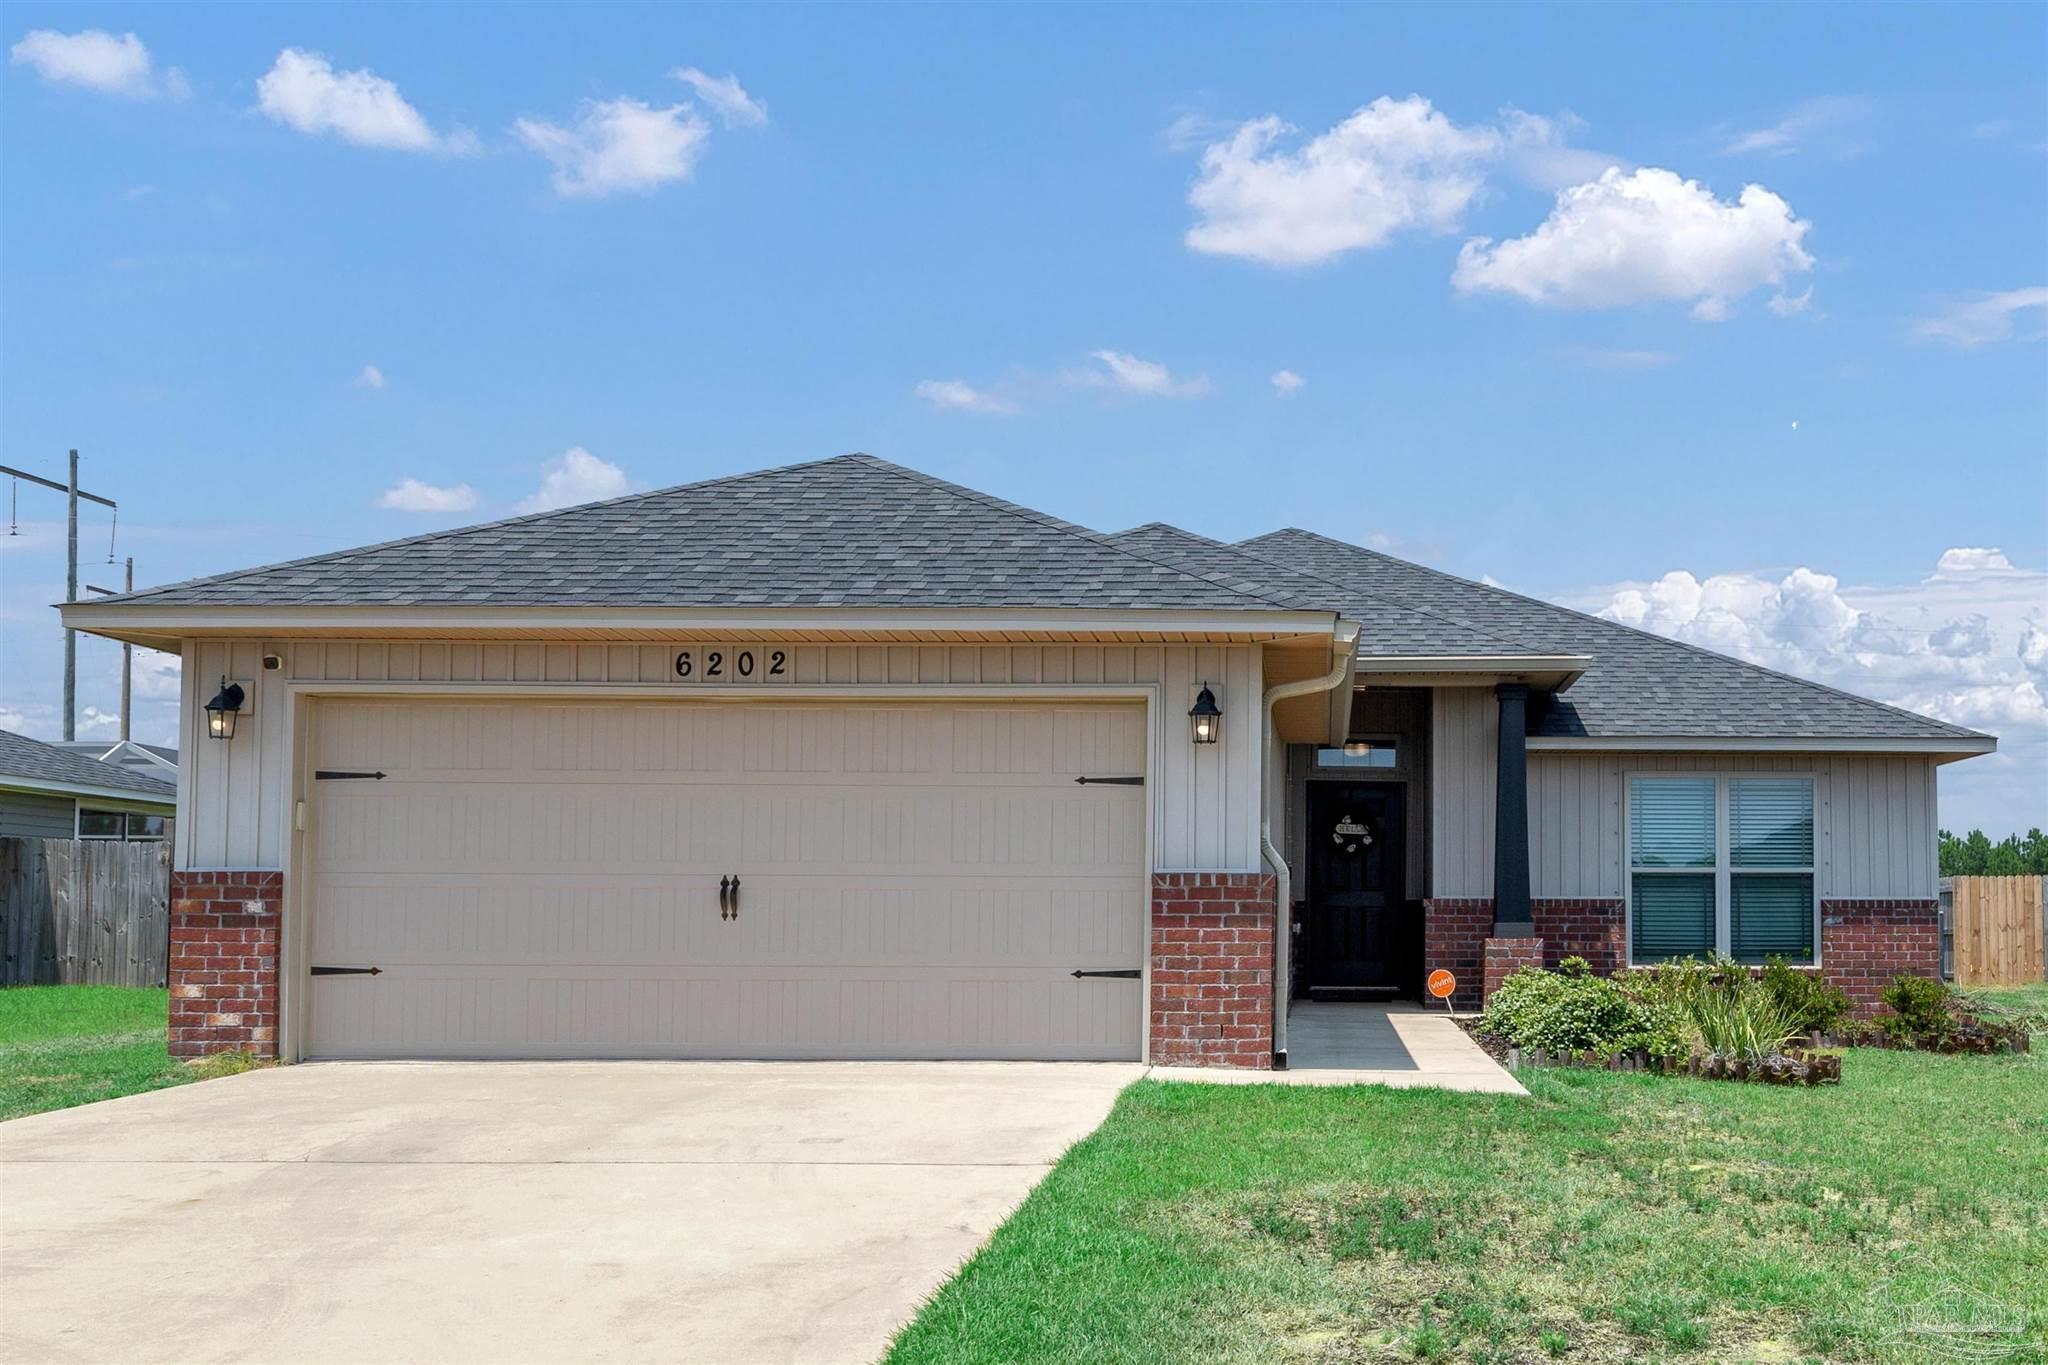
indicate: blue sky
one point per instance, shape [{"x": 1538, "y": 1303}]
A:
[{"x": 262, "y": 266}]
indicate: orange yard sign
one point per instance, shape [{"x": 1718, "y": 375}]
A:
[{"x": 1441, "y": 983}]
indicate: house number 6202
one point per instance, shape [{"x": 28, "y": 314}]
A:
[{"x": 722, "y": 664}]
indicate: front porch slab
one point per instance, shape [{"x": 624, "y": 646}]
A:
[{"x": 1393, "y": 1045}]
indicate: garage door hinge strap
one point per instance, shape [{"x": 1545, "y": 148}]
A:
[
  {"x": 330, "y": 775},
  {"x": 348, "y": 971},
  {"x": 1111, "y": 781},
  {"x": 1129, "y": 973}
]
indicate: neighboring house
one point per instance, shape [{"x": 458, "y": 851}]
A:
[
  {"x": 156, "y": 759},
  {"x": 845, "y": 761},
  {"x": 54, "y": 791}
]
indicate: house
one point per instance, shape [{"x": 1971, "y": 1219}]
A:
[
  {"x": 158, "y": 759},
  {"x": 54, "y": 791},
  {"x": 841, "y": 760}
]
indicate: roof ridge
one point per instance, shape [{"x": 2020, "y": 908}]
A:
[
  {"x": 1604, "y": 622},
  {"x": 1072, "y": 528},
  {"x": 473, "y": 527}
]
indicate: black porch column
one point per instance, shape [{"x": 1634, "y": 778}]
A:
[{"x": 1511, "y": 816}]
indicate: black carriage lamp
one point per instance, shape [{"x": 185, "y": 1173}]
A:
[
  {"x": 221, "y": 711},
  {"x": 1205, "y": 717}
]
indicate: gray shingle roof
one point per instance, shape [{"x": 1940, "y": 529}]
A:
[
  {"x": 1386, "y": 627},
  {"x": 31, "y": 760},
  {"x": 856, "y": 531},
  {"x": 853, "y": 531},
  {"x": 1639, "y": 684}
]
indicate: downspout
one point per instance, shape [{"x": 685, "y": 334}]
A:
[{"x": 1283, "y": 906}]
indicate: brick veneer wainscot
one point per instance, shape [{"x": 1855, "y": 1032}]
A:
[
  {"x": 1503, "y": 958},
  {"x": 223, "y": 978},
  {"x": 1454, "y": 934},
  {"x": 1865, "y": 943},
  {"x": 1212, "y": 969}
]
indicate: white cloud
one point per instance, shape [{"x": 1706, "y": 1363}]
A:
[
  {"x": 724, "y": 94},
  {"x": 1126, "y": 373},
  {"x": 1972, "y": 559},
  {"x": 412, "y": 495},
  {"x": 1640, "y": 237},
  {"x": 370, "y": 378},
  {"x": 304, "y": 92},
  {"x": 157, "y": 675},
  {"x": 12, "y": 719},
  {"x": 1287, "y": 383},
  {"x": 577, "y": 477},
  {"x": 1832, "y": 122},
  {"x": 92, "y": 718},
  {"x": 1966, "y": 644},
  {"x": 1986, "y": 318},
  {"x": 97, "y": 60},
  {"x": 619, "y": 145},
  {"x": 1393, "y": 165},
  {"x": 959, "y": 395}
]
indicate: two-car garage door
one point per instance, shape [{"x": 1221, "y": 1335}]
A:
[{"x": 543, "y": 879}]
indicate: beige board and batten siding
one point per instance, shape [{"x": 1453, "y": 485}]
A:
[
  {"x": 1874, "y": 814},
  {"x": 1204, "y": 800}
]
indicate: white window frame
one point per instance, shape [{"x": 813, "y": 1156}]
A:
[{"x": 1723, "y": 870}]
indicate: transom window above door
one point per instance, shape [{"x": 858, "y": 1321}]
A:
[
  {"x": 1722, "y": 865},
  {"x": 1360, "y": 753}
]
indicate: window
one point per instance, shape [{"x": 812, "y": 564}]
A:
[
  {"x": 1721, "y": 865},
  {"x": 1361, "y": 753},
  {"x": 102, "y": 824},
  {"x": 114, "y": 824}
]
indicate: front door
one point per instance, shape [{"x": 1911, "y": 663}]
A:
[{"x": 1357, "y": 880}]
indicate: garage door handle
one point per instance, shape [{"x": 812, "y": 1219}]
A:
[
  {"x": 725, "y": 898},
  {"x": 1127, "y": 973},
  {"x": 735, "y": 896}
]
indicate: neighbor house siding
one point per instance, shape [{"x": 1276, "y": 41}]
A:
[
  {"x": 31, "y": 815},
  {"x": 1205, "y": 806},
  {"x": 1874, "y": 814}
]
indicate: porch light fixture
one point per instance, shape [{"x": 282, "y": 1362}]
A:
[
  {"x": 1205, "y": 717},
  {"x": 221, "y": 711}
]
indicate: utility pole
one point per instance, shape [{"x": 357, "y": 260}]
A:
[
  {"x": 71, "y": 595},
  {"x": 72, "y": 493},
  {"x": 127, "y": 651}
]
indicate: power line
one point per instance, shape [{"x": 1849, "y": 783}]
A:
[{"x": 73, "y": 493}]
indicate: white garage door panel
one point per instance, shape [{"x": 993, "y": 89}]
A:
[{"x": 542, "y": 880}]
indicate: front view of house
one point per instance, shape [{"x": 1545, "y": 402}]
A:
[{"x": 843, "y": 761}]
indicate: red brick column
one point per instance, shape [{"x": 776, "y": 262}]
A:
[
  {"x": 1505, "y": 957},
  {"x": 1212, "y": 969},
  {"x": 1454, "y": 934},
  {"x": 1865, "y": 943},
  {"x": 224, "y": 936}
]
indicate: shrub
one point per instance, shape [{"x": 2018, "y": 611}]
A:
[
  {"x": 1920, "y": 1010},
  {"x": 1572, "y": 1010},
  {"x": 1814, "y": 1004}
]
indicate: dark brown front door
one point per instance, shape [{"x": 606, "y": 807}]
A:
[{"x": 1357, "y": 882}]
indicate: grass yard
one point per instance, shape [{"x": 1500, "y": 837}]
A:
[
  {"x": 1607, "y": 1218},
  {"x": 66, "y": 1045}
]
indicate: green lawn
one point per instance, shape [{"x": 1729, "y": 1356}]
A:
[
  {"x": 66, "y": 1045},
  {"x": 1607, "y": 1218}
]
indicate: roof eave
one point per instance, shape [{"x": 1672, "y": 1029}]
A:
[
  {"x": 161, "y": 626},
  {"x": 1941, "y": 748},
  {"x": 49, "y": 787},
  {"x": 1546, "y": 672}
]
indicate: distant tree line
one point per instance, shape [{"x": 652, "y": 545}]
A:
[{"x": 1977, "y": 856}]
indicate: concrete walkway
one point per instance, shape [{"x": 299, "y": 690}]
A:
[
  {"x": 1396, "y": 1045},
  {"x": 513, "y": 1211}
]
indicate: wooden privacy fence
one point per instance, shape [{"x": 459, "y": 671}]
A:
[
  {"x": 1996, "y": 923},
  {"x": 84, "y": 912}
]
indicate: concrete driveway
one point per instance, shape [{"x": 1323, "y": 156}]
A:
[{"x": 563, "y": 1211}]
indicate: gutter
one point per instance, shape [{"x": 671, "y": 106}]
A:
[{"x": 1346, "y": 638}]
